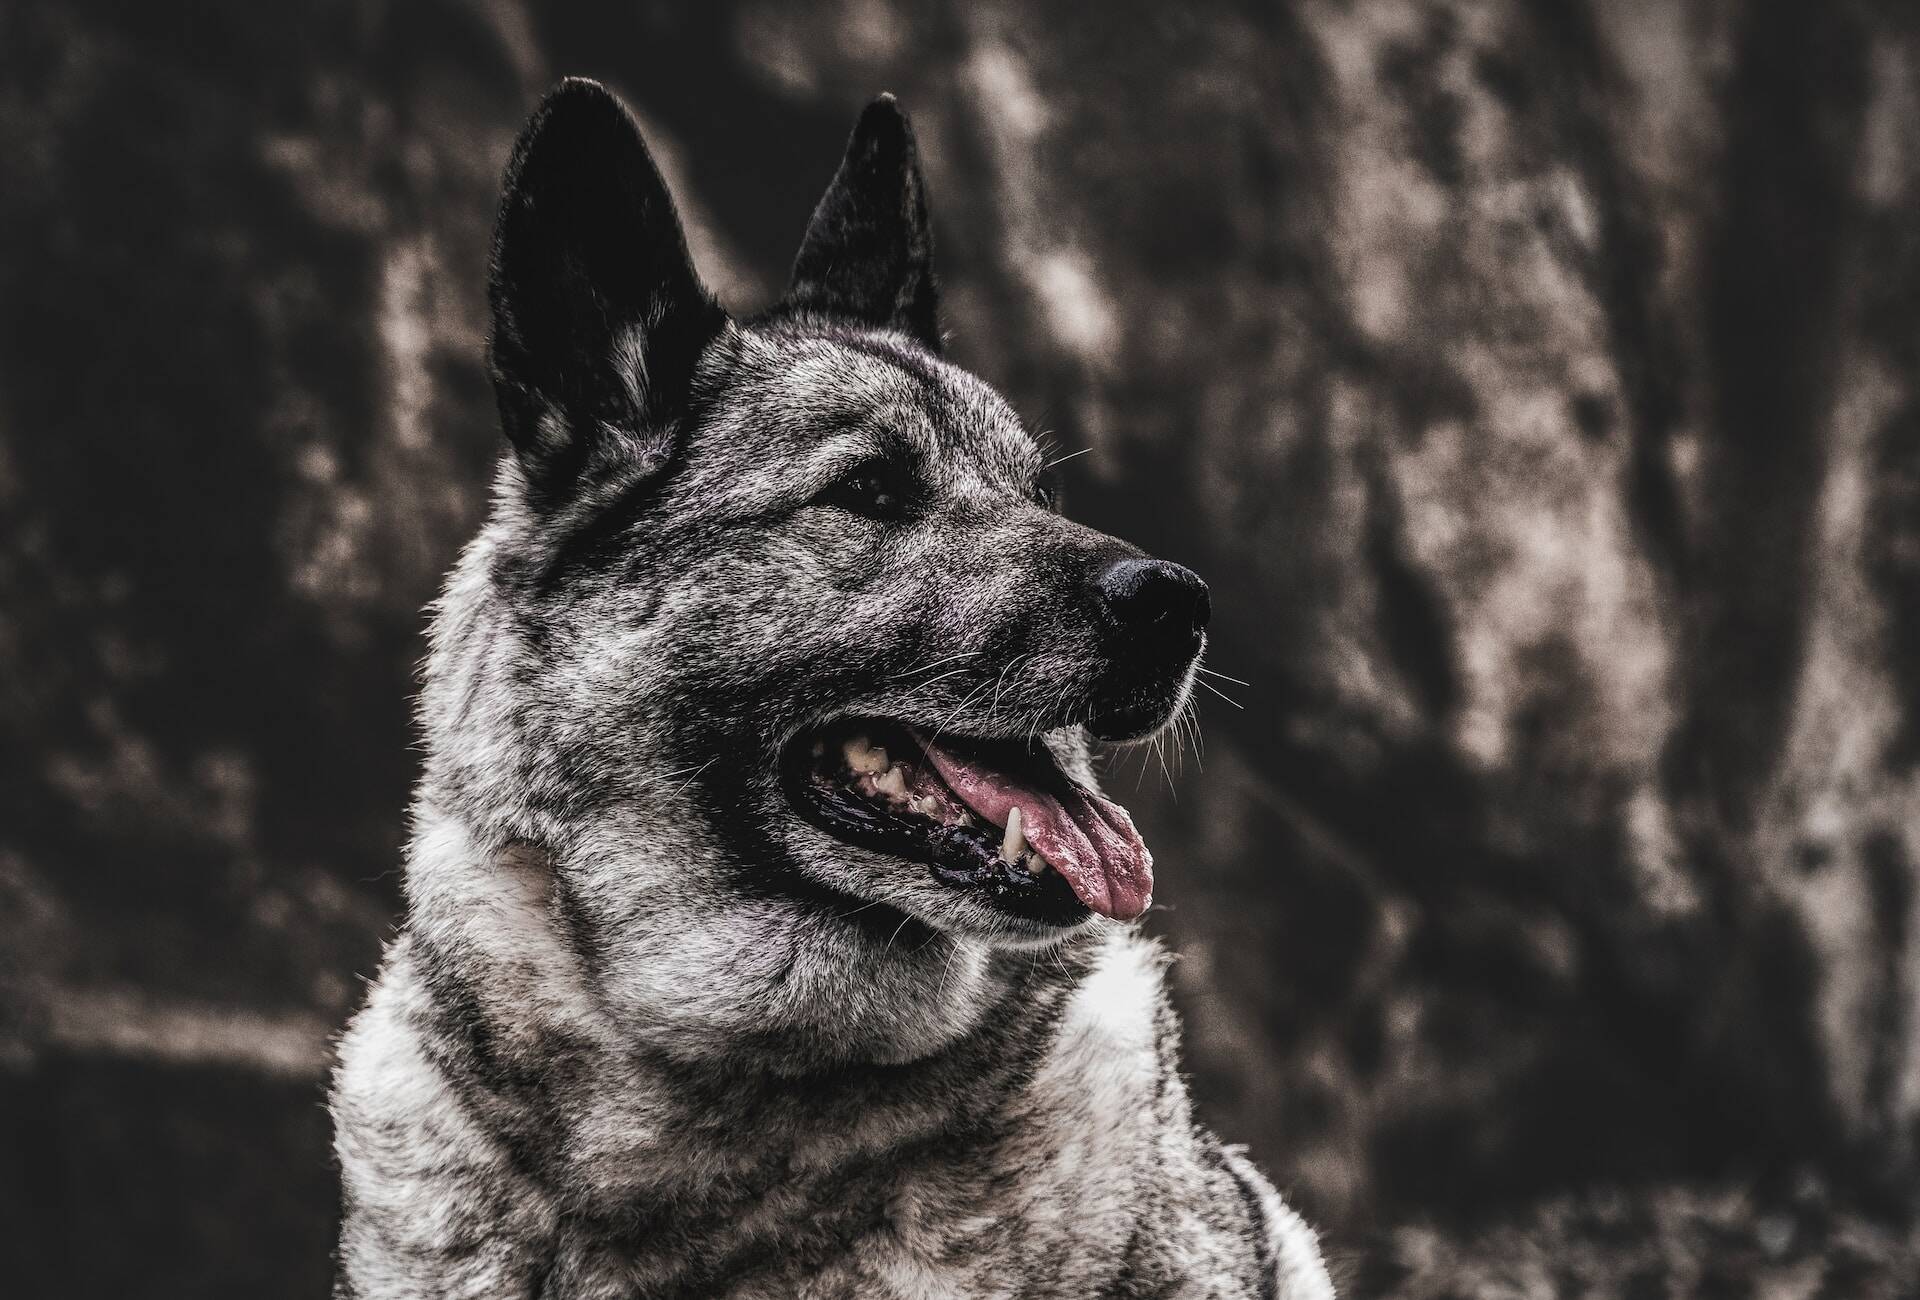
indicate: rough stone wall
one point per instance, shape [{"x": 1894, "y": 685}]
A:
[{"x": 1532, "y": 381}]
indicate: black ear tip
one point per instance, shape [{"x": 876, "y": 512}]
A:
[
  {"x": 575, "y": 93},
  {"x": 884, "y": 119},
  {"x": 579, "y": 124},
  {"x": 576, "y": 98}
]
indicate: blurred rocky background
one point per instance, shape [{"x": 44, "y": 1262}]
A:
[{"x": 1534, "y": 382}]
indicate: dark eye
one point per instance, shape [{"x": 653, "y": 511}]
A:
[
  {"x": 1046, "y": 490},
  {"x": 874, "y": 489}
]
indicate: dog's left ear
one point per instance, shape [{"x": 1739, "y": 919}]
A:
[
  {"x": 868, "y": 252},
  {"x": 598, "y": 315}
]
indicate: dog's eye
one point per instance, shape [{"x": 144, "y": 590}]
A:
[
  {"x": 874, "y": 489},
  {"x": 1046, "y": 490}
]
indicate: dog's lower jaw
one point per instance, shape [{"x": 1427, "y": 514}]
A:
[{"x": 1047, "y": 1149}]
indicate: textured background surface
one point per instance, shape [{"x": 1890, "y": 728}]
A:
[{"x": 1533, "y": 382}]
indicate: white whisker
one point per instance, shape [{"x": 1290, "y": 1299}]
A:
[
  {"x": 658, "y": 777},
  {"x": 935, "y": 663},
  {"x": 1223, "y": 677},
  {"x": 682, "y": 789},
  {"x": 1222, "y": 694},
  {"x": 1002, "y": 681},
  {"x": 959, "y": 708},
  {"x": 1166, "y": 773},
  {"x": 951, "y": 672},
  {"x": 1190, "y": 719}
]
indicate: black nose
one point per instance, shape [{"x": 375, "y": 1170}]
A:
[{"x": 1157, "y": 601}]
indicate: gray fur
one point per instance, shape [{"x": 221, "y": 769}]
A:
[{"x": 645, "y": 1032}]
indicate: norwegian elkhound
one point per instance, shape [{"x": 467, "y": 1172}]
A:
[{"x": 766, "y": 933}]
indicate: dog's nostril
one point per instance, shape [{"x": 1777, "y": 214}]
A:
[{"x": 1156, "y": 597}]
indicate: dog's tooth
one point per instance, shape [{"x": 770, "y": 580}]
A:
[
  {"x": 924, "y": 804},
  {"x": 1015, "y": 841},
  {"x": 892, "y": 782},
  {"x": 864, "y": 758}
]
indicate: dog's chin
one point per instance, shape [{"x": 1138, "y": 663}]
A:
[{"x": 1141, "y": 711}]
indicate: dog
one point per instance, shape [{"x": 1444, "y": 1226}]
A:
[{"x": 766, "y": 934}]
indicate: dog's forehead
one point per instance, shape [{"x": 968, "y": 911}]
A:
[{"x": 806, "y": 385}]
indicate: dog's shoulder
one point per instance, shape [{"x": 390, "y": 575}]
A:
[{"x": 422, "y": 1177}]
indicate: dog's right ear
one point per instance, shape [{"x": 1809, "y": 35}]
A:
[{"x": 598, "y": 314}]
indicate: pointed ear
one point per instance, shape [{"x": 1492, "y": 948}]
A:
[
  {"x": 598, "y": 315},
  {"x": 868, "y": 252}
]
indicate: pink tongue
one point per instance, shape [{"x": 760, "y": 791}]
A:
[{"x": 1089, "y": 840}]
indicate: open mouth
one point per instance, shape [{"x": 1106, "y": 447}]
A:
[{"x": 998, "y": 818}]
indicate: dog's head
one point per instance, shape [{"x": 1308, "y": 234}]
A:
[{"x": 788, "y": 594}]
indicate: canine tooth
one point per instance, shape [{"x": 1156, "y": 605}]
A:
[
  {"x": 892, "y": 782},
  {"x": 924, "y": 804},
  {"x": 1015, "y": 842}
]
